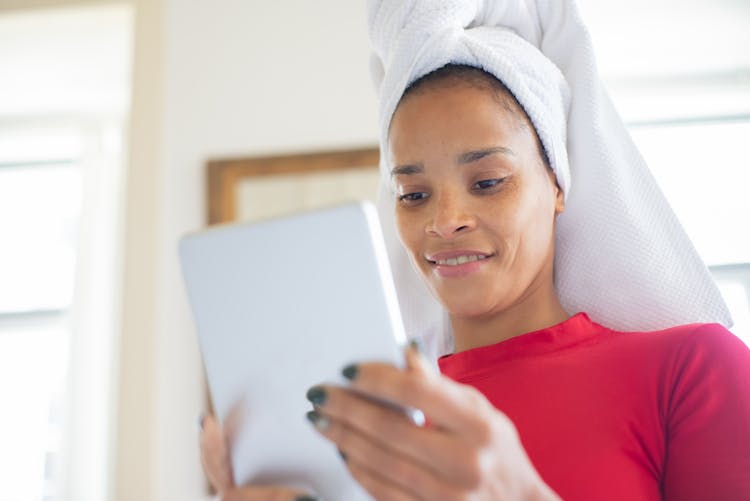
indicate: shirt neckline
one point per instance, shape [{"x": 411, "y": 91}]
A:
[{"x": 572, "y": 331}]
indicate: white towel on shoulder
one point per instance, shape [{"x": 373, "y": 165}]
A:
[{"x": 621, "y": 254}]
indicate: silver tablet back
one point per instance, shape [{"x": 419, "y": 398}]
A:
[{"x": 280, "y": 306}]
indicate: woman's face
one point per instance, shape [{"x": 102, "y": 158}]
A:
[{"x": 475, "y": 204}]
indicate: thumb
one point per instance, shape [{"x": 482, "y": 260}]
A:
[{"x": 416, "y": 362}]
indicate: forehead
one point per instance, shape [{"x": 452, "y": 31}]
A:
[
  {"x": 461, "y": 76},
  {"x": 436, "y": 90},
  {"x": 458, "y": 112}
]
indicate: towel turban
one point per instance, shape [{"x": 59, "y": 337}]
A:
[{"x": 621, "y": 255}]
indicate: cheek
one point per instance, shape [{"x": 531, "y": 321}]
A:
[
  {"x": 408, "y": 229},
  {"x": 524, "y": 222},
  {"x": 539, "y": 227}
]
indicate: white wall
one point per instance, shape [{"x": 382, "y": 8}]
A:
[{"x": 213, "y": 79}]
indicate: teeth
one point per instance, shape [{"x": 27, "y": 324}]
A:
[{"x": 454, "y": 261}]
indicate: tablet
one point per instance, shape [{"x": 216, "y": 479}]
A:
[{"x": 280, "y": 306}]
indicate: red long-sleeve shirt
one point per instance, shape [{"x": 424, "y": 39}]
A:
[{"x": 607, "y": 415}]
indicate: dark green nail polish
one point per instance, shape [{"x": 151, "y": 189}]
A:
[
  {"x": 416, "y": 345},
  {"x": 350, "y": 372},
  {"x": 306, "y": 498},
  {"x": 320, "y": 422},
  {"x": 342, "y": 454},
  {"x": 317, "y": 395}
]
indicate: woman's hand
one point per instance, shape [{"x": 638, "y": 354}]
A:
[
  {"x": 216, "y": 464},
  {"x": 468, "y": 450}
]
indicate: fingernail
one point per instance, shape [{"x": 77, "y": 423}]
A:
[
  {"x": 320, "y": 422},
  {"x": 342, "y": 454},
  {"x": 306, "y": 498},
  {"x": 416, "y": 345},
  {"x": 201, "y": 421},
  {"x": 317, "y": 395},
  {"x": 350, "y": 372}
]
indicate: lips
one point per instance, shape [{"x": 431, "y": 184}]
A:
[
  {"x": 454, "y": 261},
  {"x": 456, "y": 264},
  {"x": 456, "y": 257}
]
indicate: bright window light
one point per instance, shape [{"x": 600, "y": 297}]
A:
[
  {"x": 33, "y": 363},
  {"x": 64, "y": 100},
  {"x": 704, "y": 171},
  {"x": 737, "y": 296},
  {"x": 686, "y": 100},
  {"x": 39, "y": 210},
  {"x": 40, "y": 205}
]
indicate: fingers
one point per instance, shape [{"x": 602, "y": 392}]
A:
[
  {"x": 448, "y": 405},
  {"x": 215, "y": 455},
  {"x": 386, "y": 440},
  {"x": 377, "y": 486},
  {"x": 469, "y": 450},
  {"x": 381, "y": 462},
  {"x": 266, "y": 493},
  {"x": 382, "y": 440},
  {"x": 416, "y": 362}
]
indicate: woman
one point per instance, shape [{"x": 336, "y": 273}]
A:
[{"x": 533, "y": 403}]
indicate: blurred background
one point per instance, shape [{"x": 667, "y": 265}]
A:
[{"x": 109, "y": 111}]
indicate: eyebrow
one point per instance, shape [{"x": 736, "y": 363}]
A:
[
  {"x": 406, "y": 170},
  {"x": 463, "y": 158},
  {"x": 473, "y": 156}
]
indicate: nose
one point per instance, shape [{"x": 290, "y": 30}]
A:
[{"x": 451, "y": 216}]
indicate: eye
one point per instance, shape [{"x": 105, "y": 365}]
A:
[
  {"x": 413, "y": 198},
  {"x": 486, "y": 184}
]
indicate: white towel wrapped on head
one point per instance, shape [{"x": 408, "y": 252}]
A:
[{"x": 621, "y": 255}]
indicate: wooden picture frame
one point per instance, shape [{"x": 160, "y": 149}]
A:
[{"x": 225, "y": 176}]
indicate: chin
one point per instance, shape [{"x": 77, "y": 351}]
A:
[
  {"x": 470, "y": 311},
  {"x": 464, "y": 306},
  {"x": 472, "y": 296}
]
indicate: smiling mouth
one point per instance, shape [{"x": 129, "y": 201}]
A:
[{"x": 459, "y": 260}]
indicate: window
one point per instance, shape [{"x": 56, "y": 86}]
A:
[
  {"x": 734, "y": 283},
  {"x": 63, "y": 108},
  {"x": 39, "y": 209},
  {"x": 686, "y": 101},
  {"x": 40, "y": 203},
  {"x": 698, "y": 164}
]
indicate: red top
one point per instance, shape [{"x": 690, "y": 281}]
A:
[{"x": 623, "y": 416}]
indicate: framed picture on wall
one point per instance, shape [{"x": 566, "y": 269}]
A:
[{"x": 255, "y": 188}]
